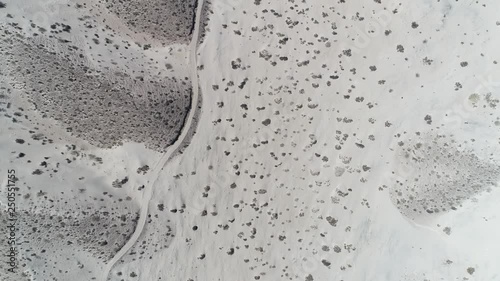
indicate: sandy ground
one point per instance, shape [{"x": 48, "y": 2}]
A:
[
  {"x": 336, "y": 141},
  {"x": 359, "y": 155}
]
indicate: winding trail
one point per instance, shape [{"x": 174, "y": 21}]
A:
[{"x": 144, "y": 202}]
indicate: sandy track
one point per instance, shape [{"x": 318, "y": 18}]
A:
[{"x": 144, "y": 202}]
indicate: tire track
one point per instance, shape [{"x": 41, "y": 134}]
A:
[{"x": 193, "y": 46}]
